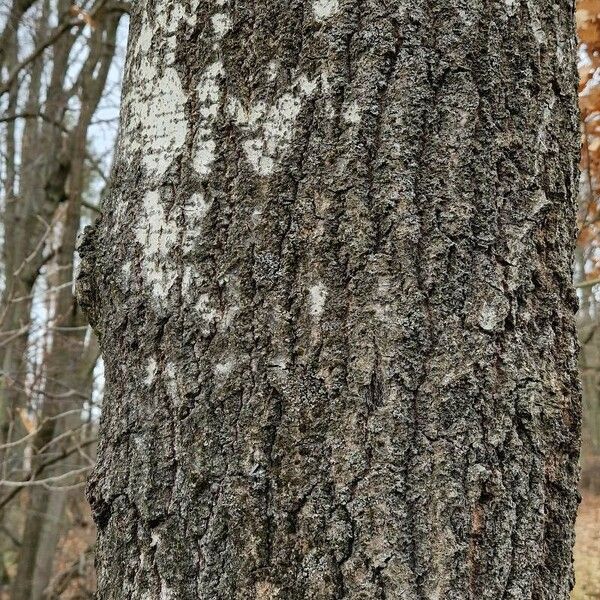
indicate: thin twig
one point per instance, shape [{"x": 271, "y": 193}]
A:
[
  {"x": 46, "y": 481},
  {"x": 586, "y": 284},
  {"x": 37, "y": 429},
  {"x": 31, "y": 474}
]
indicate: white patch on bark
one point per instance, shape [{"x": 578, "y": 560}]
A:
[
  {"x": 381, "y": 312},
  {"x": 205, "y": 155},
  {"x": 274, "y": 125},
  {"x": 560, "y": 56},
  {"x": 263, "y": 165},
  {"x": 209, "y": 96},
  {"x": 150, "y": 371},
  {"x": 279, "y": 362},
  {"x": 256, "y": 216},
  {"x": 543, "y": 129},
  {"x": 326, "y": 94},
  {"x": 194, "y": 211},
  {"x": 265, "y": 590},
  {"x": 535, "y": 23},
  {"x": 228, "y": 317},
  {"x": 323, "y": 9},
  {"x": 187, "y": 280},
  {"x": 206, "y": 309},
  {"x": 170, "y": 19},
  {"x": 154, "y": 121},
  {"x": 209, "y": 91},
  {"x": 317, "y": 297},
  {"x": 540, "y": 202},
  {"x": 165, "y": 592},
  {"x": 236, "y": 111},
  {"x": 493, "y": 312},
  {"x": 352, "y": 113},
  {"x": 197, "y": 208},
  {"x": 273, "y": 68},
  {"x": 157, "y": 235},
  {"x": 307, "y": 87},
  {"x": 488, "y": 318},
  {"x": 221, "y": 23},
  {"x": 222, "y": 369},
  {"x": 171, "y": 382}
]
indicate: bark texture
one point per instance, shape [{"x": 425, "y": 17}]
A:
[{"x": 332, "y": 284}]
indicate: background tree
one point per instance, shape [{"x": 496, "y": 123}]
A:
[
  {"x": 332, "y": 284},
  {"x": 587, "y": 248},
  {"x": 56, "y": 81}
]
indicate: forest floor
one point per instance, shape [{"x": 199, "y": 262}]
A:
[{"x": 587, "y": 549}]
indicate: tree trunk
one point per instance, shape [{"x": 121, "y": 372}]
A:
[
  {"x": 66, "y": 371},
  {"x": 332, "y": 284},
  {"x": 44, "y": 512},
  {"x": 26, "y": 218}
]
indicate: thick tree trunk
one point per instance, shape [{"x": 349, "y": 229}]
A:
[{"x": 333, "y": 288}]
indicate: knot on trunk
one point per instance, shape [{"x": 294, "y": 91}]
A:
[{"x": 86, "y": 285}]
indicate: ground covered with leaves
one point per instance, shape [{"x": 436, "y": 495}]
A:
[{"x": 587, "y": 549}]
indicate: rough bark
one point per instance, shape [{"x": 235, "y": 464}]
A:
[{"x": 332, "y": 284}]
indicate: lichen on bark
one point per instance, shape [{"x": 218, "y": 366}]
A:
[{"x": 350, "y": 371}]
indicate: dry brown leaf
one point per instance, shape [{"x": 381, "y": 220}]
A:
[
  {"x": 29, "y": 423},
  {"x": 77, "y": 12}
]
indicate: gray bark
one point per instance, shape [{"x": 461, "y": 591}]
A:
[{"x": 332, "y": 285}]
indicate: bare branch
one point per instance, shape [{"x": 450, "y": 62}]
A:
[
  {"x": 70, "y": 22},
  {"x": 62, "y": 580},
  {"x": 46, "y": 481},
  {"x": 52, "y": 39},
  {"x": 33, "y": 115},
  {"x": 586, "y": 284},
  {"x": 35, "y": 431},
  {"x": 40, "y": 469}
]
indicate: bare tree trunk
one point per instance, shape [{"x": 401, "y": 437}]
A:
[
  {"x": 55, "y": 525},
  {"x": 332, "y": 285},
  {"x": 27, "y": 220},
  {"x": 64, "y": 363},
  {"x": 8, "y": 55},
  {"x": 44, "y": 523},
  {"x": 18, "y": 9},
  {"x": 63, "y": 381}
]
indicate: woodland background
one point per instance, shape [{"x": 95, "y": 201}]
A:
[{"x": 60, "y": 71}]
